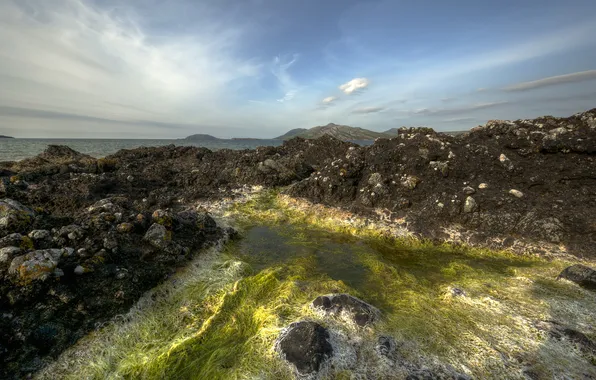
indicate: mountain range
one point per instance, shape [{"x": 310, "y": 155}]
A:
[{"x": 341, "y": 132}]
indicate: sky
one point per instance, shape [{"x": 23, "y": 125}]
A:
[{"x": 257, "y": 68}]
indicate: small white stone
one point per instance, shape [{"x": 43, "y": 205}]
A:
[
  {"x": 516, "y": 193},
  {"x": 483, "y": 186}
]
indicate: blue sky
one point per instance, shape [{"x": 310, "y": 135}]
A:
[{"x": 167, "y": 69}]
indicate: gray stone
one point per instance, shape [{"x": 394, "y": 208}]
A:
[
  {"x": 440, "y": 166},
  {"x": 305, "y": 345},
  {"x": 6, "y": 256},
  {"x": 336, "y": 304},
  {"x": 14, "y": 216},
  {"x": 36, "y": 265},
  {"x": 79, "y": 270},
  {"x": 158, "y": 236},
  {"x": 470, "y": 205},
  {"x": 580, "y": 274},
  {"x": 37, "y": 235},
  {"x": 506, "y": 162},
  {"x": 468, "y": 190},
  {"x": 375, "y": 179},
  {"x": 12, "y": 240}
]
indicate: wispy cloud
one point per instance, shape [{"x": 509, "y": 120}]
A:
[
  {"x": 458, "y": 110},
  {"x": 287, "y": 84},
  {"x": 552, "y": 81},
  {"x": 366, "y": 110},
  {"x": 356, "y": 84},
  {"x": 329, "y": 99},
  {"x": 70, "y": 56}
]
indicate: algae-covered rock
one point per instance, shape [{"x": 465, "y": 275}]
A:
[
  {"x": 337, "y": 304},
  {"x": 36, "y": 265},
  {"x": 305, "y": 345},
  {"x": 14, "y": 216},
  {"x": 580, "y": 274}
]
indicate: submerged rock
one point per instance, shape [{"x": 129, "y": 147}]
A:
[
  {"x": 336, "y": 304},
  {"x": 305, "y": 345},
  {"x": 580, "y": 274}
]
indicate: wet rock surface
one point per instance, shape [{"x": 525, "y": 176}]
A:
[
  {"x": 305, "y": 345},
  {"x": 360, "y": 312}
]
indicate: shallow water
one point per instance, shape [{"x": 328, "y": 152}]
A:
[{"x": 221, "y": 319}]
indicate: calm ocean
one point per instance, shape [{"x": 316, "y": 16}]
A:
[{"x": 18, "y": 149}]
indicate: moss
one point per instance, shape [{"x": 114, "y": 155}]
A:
[
  {"x": 223, "y": 319},
  {"x": 107, "y": 165},
  {"x": 26, "y": 244}
]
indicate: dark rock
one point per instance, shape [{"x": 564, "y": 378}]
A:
[
  {"x": 359, "y": 311},
  {"x": 386, "y": 346},
  {"x": 47, "y": 336},
  {"x": 305, "y": 345},
  {"x": 158, "y": 236},
  {"x": 580, "y": 274},
  {"x": 559, "y": 331}
]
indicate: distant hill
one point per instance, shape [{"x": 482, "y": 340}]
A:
[
  {"x": 292, "y": 133},
  {"x": 341, "y": 132},
  {"x": 392, "y": 132},
  {"x": 6, "y": 137},
  {"x": 201, "y": 137}
]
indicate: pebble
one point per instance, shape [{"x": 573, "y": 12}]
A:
[
  {"x": 483, "y": 186},
  {"x": 516, "y": 193}
]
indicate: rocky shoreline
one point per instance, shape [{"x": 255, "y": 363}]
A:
[{"x": 82, "y": 238}]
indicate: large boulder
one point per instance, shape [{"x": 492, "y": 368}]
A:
[
  {"x": 580, "y": 274},
  {"x": 305, "y": 345},
  {"x": 355, "y": 309},
  {"x": 14, "y": 216}
]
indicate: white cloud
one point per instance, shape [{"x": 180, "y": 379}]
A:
[
  {"x": 68, "y": 56},
  {"x": 354, "y": 85},
  {"x": 365, "y": 110},
  {"x": 329, "y": 99},
  {"x": 551, "y": 81},
  {"x": 458, "y": 110}
]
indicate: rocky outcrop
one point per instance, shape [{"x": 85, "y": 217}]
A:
[
  {"x": 529, "y": 181},
  {"x": 60, "y": 277},
  {"x": 580, "y": 274}
]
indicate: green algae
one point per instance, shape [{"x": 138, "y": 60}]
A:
[{"x": 220, "y": 319}]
